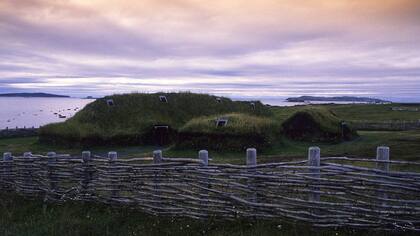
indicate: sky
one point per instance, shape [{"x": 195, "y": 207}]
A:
[{"x": 238, "y": 48}]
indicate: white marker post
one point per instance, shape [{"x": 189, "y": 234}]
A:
[
  {"x": 52, "y": 159},
  {"x": 203, "y": 155},
  {"x": 87, "y": 175},
  {"x": 112, "y": 157},
  {"x": 382, "y": 154},
  {"x": 251, "y": 162},
  {"x": 8, "y": 169},
  {"x": 314, "y": 160}
]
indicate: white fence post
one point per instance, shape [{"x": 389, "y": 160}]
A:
[
  {"x": 112, "y": 157},
  {"x": 87, "y": 172},
  {"x": 382, "y": 154},
  {"x": 7, "y": 156},
  {"x": 28, "y": 173},
  {"x": 8, "y": 169},
  {"x": 251, "y": 157},
  {"x": 203, "y": 155},
  {"x": 157, "y": 156},
  {"x": 314, "y": 160},
  {"x": 251, "y": 161},
  {"x": 52, "y": 158},
  {"x": 86, "y": 156}
]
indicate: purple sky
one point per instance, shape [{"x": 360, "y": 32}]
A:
[{"x": 264, "y": 49}]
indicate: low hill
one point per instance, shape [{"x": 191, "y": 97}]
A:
[
  {"x": 317, "y": 124},
  {"x": 237, "y": 132},
  {"x": 33, "y": 95},
  {"x": 336, "y": 99},
  {"x": 139, "y": 118}
]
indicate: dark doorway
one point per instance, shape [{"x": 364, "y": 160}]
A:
[{"x": 161, "y": 135}]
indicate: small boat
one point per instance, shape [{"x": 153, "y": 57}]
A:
[{"x": 61, "y": 116}]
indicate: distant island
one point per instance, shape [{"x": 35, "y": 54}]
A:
[
  {"x": 335, "y": 99},
  {"x": 33, "y": 95}
]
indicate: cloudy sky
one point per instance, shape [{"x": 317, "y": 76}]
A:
[{"x": 238, "y": 48}]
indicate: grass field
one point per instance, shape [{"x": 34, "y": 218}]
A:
[
  {"x": 405, "y": 145},
  {"x": 20, "y": 216},
  {"x": 349, "y": 112}
]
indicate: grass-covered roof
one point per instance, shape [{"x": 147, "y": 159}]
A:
[
  {"x": 240, "y": 132},
  {"x": 237, "y": 123},
  {"x": 316, "y": 124},
  {"x": 131, "y": 116}
]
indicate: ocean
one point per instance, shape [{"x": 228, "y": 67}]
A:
[{"x": 35, "y": 112}]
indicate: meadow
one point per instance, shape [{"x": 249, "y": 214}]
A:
[{"x": 23, "y": 216}]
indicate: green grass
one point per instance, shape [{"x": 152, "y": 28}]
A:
[
  {"x": 373, "y": 112},
  {"x": 349, "y": 112},
  {"x": 405, "y": 145},
  {"x": 23, "y": 216},
  {"x": 237, "y": 124},
  {"x": 132, "y": 118},
  {"x": 241, "y": 131},
  {"x": 31, "y": 144},
  {"x": 281, "y": 114},
  {"x": 317, "y": 123}
]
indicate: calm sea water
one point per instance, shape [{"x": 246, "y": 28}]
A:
[
  {"x": 35, "y": 112},
  {"x": 28, "y": 112}
]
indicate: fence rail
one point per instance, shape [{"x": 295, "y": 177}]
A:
[{"x": 325, "y": 192}]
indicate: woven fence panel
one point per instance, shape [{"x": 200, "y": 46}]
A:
[{"x": 341, "y": 192}]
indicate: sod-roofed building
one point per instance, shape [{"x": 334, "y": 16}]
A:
[{"x": 140, "y": 118}]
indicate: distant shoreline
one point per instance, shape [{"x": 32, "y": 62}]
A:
[
  {"x": 336, "y": 99},
  {"x": 33, "y": 95}
]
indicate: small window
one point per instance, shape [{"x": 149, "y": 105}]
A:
[
  {"x": 110, "y": 102},
  {"x": 219, "y": 100},
  {"x": 163, "y": 99},
  {"x": 161, "y": 127},
  {"x": 221, "y": 122},
  {"x": 252, "y": 105}
]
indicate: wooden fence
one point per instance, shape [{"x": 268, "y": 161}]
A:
[{"x": 325, "y": 192}]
